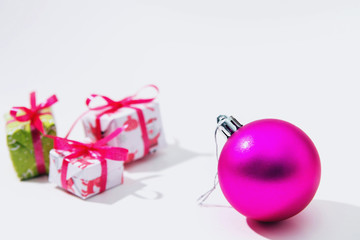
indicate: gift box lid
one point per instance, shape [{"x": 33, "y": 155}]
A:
[{"x": 20, "y": 131}]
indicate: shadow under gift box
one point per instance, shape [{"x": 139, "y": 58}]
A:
[
  {"x": 21, "y": 148},
  {"x": 84, "y": 173},
  {"x": 133, "y": 136}
]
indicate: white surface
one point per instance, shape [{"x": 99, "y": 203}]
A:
[{"x": 294, "y": 60}]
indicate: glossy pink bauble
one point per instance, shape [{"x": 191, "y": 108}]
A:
[{"x": 269, "y": 170}]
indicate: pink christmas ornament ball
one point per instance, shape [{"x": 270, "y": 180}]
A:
[{"x": 269, "y": 170}]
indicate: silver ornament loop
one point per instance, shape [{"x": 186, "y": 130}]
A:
[{"x": 228, "y": 125}]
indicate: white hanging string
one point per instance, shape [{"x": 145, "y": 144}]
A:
[{"x": 205, "y": 196}]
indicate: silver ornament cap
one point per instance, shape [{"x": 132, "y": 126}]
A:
[{"x": 228, "y": 125}]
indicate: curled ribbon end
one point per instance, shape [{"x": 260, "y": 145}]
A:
[
  {"x": 33, "y": 100},
  {"x": 54, "y": 97},
  {"x": 32, "y": 94}
]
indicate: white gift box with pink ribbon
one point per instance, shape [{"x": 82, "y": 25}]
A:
[
  {"x": 84, "y": 174},
  {"x": 144, "y": 132}
]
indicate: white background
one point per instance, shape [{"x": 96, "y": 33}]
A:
[{"x": 293, "y": 60}]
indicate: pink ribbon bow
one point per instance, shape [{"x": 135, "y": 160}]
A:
[
  {"x": 32, "y": 114},
  {"x": 97, "y": 150},
  {"x": 111, "y": 106}
]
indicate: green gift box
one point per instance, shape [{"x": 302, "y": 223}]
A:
[{"x": 28, "y": 146}]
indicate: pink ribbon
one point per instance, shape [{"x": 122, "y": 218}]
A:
[
  {"x": 111, "y": 106},
  {"x": 32, "y": 114},
  {"x": 97, "y": 150}
]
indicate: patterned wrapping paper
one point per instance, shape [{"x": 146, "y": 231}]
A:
[
  {"x": 83, "y": 174},
  {"x": 20, "y": 144},
  {"x": 131, "y": 138}
]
